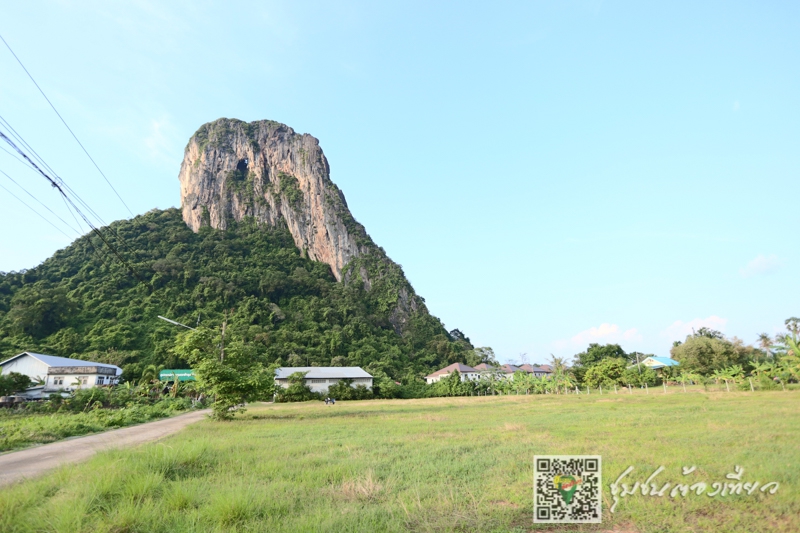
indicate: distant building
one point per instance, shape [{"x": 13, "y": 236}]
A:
[
  {"x": 467, "y": 373},
  {"x": 483, "y": 369},
  {"x": 540, "y": 371},
  {"x": 659, "y": 363},
  {"x": 319, "y": 378},
  {"x": 51, "y": 374}
]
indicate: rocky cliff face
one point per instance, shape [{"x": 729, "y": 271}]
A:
[{"x": 233, "y": 169}]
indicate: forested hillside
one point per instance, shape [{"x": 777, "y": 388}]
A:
[{"x": 85, "y": 303}]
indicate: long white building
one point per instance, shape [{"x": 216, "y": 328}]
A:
[
  {"x": 319, "y": 378},
  {"x": 50, "y": 373}
]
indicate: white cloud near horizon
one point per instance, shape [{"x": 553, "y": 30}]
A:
[
  {"x": 761, "y": 265},
  {"x": 603, "y": 334},
  {"x": 679, "y": 329}
]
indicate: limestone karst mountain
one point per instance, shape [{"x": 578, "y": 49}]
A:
[
  {"x": 264, "y": 241},
  {"x": 232, "y": 170}
]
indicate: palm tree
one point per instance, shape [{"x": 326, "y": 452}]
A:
[
  {"x": 149, "y": 374},
  {"x": 558, "y": 363},
  {"x": 765, "y": 342}
]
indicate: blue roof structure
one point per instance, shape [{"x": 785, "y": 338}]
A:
[{"x": 666, "y": 361}]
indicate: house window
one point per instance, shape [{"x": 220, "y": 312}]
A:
[
  {"x": 101, "y": 380},
  {"x": 58, "y": 380},
  {"x": 84, "y": 380},
  {"x": 317, "y": 381}
]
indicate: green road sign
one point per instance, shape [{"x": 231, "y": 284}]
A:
[{"x": 181, "y": 375}]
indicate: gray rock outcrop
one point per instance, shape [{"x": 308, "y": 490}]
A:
[{"x": 233, "y": 169}]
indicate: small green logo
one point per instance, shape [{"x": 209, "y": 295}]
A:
[{"x": 566, "y": 485}]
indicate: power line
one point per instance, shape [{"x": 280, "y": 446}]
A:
[
  {"x": 30, "y": 164},
  {"x": 66, "y": 125},
  {"x": 34, "y": 210},
  {"x": 56, "y": 183},
  {"x": 40, "y": 202}
]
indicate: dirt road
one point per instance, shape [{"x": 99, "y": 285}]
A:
[{"x": 32, "y": 462}]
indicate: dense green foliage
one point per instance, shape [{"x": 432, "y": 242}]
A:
[
  {"x": 234, "y": 374},
  {"x": 13, "y": 382},
  {"x": 596, "y": 353},
  {"x": 83, "y": 303},
  {"x": 707, "y": 351}
]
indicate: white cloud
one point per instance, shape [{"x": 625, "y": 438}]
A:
[
  {"x": 761, "y": 265},
  {"x": 161, "y": 141},
  {"x": 679, "y": 329},
  {"x": 603, "y": 334},
  {"x": 736, "y": 105}
]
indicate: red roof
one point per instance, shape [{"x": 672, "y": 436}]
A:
[{"x": 451, "y": 368}]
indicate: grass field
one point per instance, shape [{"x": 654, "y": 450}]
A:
[
  {"x": 20, "y": 429},
  {"x": 460, "y": 464}
]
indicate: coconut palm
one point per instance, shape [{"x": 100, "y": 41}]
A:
[{"x": 765, "y": 342}]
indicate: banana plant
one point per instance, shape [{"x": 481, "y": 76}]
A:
[{"x": 721, "y": 374}]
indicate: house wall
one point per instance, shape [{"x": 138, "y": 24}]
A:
[
  {"x": 321, "y": 385},
  {"x": 27, "y": 365},
  {"x": 67, "y": 381}
]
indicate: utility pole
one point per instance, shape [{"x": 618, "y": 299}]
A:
[{"x": 224, "y": 323}]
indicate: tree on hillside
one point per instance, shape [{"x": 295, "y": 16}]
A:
[
  {"x": 39, "y": 311},
  {"x": 242, "y": 376}
]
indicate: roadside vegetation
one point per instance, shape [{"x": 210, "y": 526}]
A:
[
  {"x": 430, "y": 465},
  {"x": 92, "y": 410}
]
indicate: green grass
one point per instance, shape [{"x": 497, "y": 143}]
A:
[
  {"x": 444, "y": 464},
  {"x": 20, "y": 429}
]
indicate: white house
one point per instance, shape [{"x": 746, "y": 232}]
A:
[
  {"x": 484, "y": 369},
  {"x": 59, "y": 374},
  {"x": 467, "y": 373},
  {"x": 319, "y": 378},
  {"x": 658, "y": 363}
]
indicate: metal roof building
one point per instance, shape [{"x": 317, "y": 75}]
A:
[
  {"x": 59, "y": 373},
  {"x": 319, "y": 378}
]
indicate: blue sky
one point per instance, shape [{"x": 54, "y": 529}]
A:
[{"x": 549, "y": 174}]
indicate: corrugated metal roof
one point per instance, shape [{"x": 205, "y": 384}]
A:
[
  {"x": 323, "y": 372},
  {"x": 52, "y": 360},
  {"x": 666, "y": 361}
]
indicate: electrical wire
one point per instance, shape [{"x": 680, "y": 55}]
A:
[
  {"x": 56, "y": 183},
  {"x": 40, "y": 202},
  {"x": 28, "y": 163},
  {"x": 66, "y": 125},
  {"x": 34, "y": 210}
]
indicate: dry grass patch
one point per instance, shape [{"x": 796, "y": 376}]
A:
[{"x": 363, "y": 489}]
